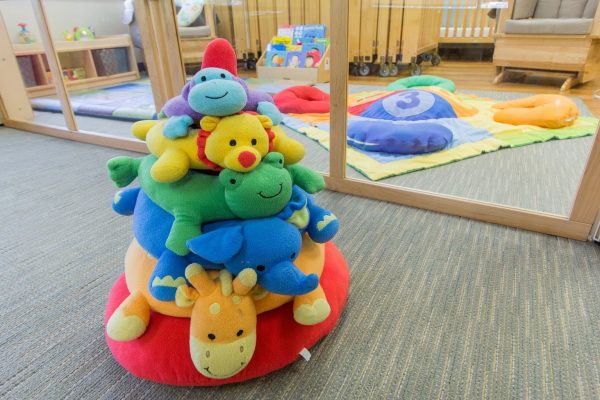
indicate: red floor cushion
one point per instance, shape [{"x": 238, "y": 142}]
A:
[
  {"x": 162, "y": 353},
  {"x": 302, "y": 100}
]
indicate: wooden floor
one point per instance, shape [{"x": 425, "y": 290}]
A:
[{"x": 477, "y": 75}]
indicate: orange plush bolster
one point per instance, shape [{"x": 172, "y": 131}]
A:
[{"x": 544, "y": 110}]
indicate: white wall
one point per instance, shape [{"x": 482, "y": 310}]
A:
[{"x": 104, "y": 16}]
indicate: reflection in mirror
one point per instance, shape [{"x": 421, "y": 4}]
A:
[
  {"x": 425, "y": 113},
  {"x": 97, "y": 51},
  {"x": 283, "y": 53},
  {"x": 28, "y": 80}
]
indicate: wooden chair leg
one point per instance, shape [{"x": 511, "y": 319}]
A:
[
  {"x": 568, "y": 84},
  {"x": 500, "y": 77}
]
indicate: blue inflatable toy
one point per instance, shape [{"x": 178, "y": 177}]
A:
[
  {"x": 410, "y": 105},
  {"x": 398, "y": 137}
]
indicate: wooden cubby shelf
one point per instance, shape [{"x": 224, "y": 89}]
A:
[{"x": 82, "y": 54}]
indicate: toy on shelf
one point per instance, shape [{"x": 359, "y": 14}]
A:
[
  {"x": 224, "y": 229},
  {"x": 299, "y": 52},
  {"x": 303, "y": 49},
  {"x": 73, "y": 74},
  {"x": 79, "y": 34},
  {"x": 25, "y": 35}
]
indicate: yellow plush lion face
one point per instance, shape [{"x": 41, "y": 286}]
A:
[{"x": 237, "y": 142}]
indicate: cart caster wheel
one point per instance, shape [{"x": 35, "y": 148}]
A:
[
  {"x": 251, "y": 65},
  {"x": 364, "y": 70},
  {"x": 415, "y": 69},
  {"x": 384, "y": 70},
  {"x": 394, "y": 69},
  {"x": 436, "y": 60},
  {"x": 426, "y": 57},
  {"x": 354, "y": 69},
  {"x": 419, "y": 59}
]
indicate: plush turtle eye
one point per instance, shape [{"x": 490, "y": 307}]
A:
[
  {"x": 240, "y": 332},
  {"x": 232, "y": 181},
  {"x": 260, "y": 268},
  {"x": 223, "y": 76},
  {"x": 211, "y": 336},
  {"x": 293, "y": 256},
  {"x": 280, "y": 161},
  {"x": 254, "y": 141},
  {"x": 203, "y": 78},
  {"x": 232, "y": 142}
]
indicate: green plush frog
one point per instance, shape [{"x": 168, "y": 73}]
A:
[{"x": 198, "y": 198}]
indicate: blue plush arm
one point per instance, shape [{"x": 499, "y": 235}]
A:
[
  {"x": 124, "y": 201},
  {"x": 271, "y": 111},
  {"x": 323, "y": 223},
  {"x": 177, "y": 126},
  {"x": 168, "y": 272}
]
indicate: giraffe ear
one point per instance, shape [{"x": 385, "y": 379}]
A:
[{"x": 185, "y": 296}]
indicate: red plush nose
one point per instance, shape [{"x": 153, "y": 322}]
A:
[{"x": 246, "y": 158}]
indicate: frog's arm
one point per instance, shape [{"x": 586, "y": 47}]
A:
[
  {"x": 185, "y": 227},
  {"x": 307, "y": 179},
  {"x": 123, "y": 170},
  {"x": 271, "y": 111},
  {"x": 171, "y": 166}
]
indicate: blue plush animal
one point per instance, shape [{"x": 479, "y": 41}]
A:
[
  {"x": 267, "y": 245},
  {"x": 250, "y": 243}
]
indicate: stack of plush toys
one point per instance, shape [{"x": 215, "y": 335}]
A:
[{"x": 231, "y": 273}]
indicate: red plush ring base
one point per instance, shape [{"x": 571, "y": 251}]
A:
[{"x": 162, "y": 353}]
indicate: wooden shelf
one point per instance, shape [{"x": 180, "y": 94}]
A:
[
  {"x": 87, "y": 83},
  {"x": 77, "y": 55},
  {"x": 101, "y": 42}
]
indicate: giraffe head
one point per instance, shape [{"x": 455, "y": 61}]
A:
[{"x": 223, "y": 320}]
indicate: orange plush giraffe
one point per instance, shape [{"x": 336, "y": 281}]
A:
[
  {"x": 223, "y": 322},
  {"x": 130, "y": 320}
]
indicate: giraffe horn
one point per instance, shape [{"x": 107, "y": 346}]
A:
[
  {"x": 245, "y": 281},
  {"x": 199, "y": 279}
]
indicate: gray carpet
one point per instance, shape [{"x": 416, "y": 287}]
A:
[
  {"x": 440, "y": 307},
  {"x": 542, "y": 177}
]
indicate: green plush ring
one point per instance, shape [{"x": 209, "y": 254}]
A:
[{"x": 422, "y": 80}]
